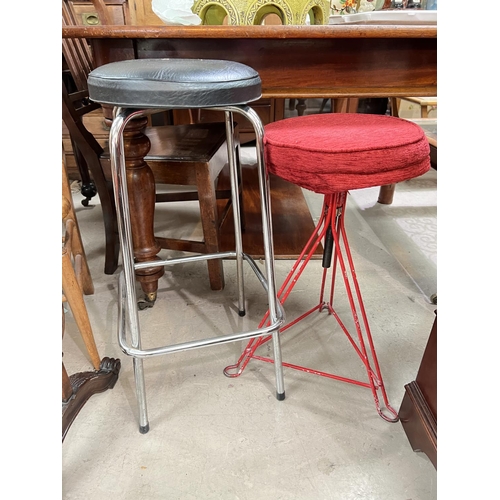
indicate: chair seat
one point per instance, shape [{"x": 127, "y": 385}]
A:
[
  {"x": 345, "y": 151},
  {"x": 174, "y": 83}
]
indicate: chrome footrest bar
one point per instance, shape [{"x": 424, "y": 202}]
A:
[
  {"x": 130, "y": 350},
  {"x": 183, "y": 260}
]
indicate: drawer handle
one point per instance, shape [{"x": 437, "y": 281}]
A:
[{"x": 91, "y": 19}]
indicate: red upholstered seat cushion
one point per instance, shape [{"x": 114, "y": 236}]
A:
[{"x": 343, "y": 151}]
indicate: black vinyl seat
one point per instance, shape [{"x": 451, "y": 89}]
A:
[{"x": 174, "y": 83}]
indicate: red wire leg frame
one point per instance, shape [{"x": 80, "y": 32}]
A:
[{"x": 331, "y": 230}]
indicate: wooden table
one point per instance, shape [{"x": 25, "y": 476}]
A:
[{"x": 293, "y": 62}]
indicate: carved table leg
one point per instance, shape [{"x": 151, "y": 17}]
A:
[
  {"x": 83, "y": 386},
  {"x": 79, "y": 387},
  {"x": 141, "y": 192}
]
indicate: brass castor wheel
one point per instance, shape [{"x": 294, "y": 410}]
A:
[{"x": 147, "y": 302}]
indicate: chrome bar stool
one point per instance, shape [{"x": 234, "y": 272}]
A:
[
  {"x": 137, "y": 88},
  {"x": 333, "y": 154}
]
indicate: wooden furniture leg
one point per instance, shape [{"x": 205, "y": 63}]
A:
[
  {"x": 298, "y": 105},
  {"x": 345, "y": 105},
  {"x": 418, "y": 412},
  {"x": 209, "y": 222},
  {"x": 88, "y": 152},
  {"x": 74, "y": 298},
  {"x": 205, "y": 185},
  {"x": 76, "y": 278},
  {"x": 141, "y": 194},
  {"x": 301, "y": 107},
  {"x": 77, "y": 281},
  {"x": 386, "y": 193},
  {"x": 81, "y": 386},
  {"x": 88, "y": 189},
  {"x": 193, "y": 164},
  {"x": 395, "y": 103}
]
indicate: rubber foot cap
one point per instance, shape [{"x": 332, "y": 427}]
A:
[
  {"x": 144, "y": 429},
  {"x": 280, "y": 397},
  {"x": 242, "y": 313}
]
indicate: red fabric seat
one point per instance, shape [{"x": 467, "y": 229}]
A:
[{"x": 344, "y": 151}]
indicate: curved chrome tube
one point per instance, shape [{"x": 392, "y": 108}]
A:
[{"x": 127, "y": 303}]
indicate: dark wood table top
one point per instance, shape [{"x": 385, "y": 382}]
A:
[
  {"x": 269, "y": 32},
  {"x": 293, "y": 61}
]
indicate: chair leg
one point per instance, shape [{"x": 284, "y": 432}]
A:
[
  {"x": 106, "y": 198},
  {"x": 324, "y": 102},
  {"x": 209, "y": 221},
  {"x": 386, "y": 194},
  {"x": 395, "y": 103},
  {"x": 91, "y": 152},
  {"x": 330, "y": 229},
  {"x": 76, "y": 278},
  {"x": 88, "y": 189},
  {"x": 301, "y": 107},
  {"x": 82, "y": 271},
  {"x": 345, "y": 105},
  {"x": 74, "y": 296},
  {"x": 112, "y": 244}
]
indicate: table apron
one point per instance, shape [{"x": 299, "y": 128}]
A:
[{"x": 301, "y": 68}]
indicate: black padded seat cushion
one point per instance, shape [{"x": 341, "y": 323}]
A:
[{"x": 174, "y": 83}]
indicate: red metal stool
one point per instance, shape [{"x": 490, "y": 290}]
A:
[{"x": 332, "y": 154}]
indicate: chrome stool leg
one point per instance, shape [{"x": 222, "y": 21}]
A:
[
  {"x": 231, "y": 154},
  {"x": 128, "y": 318},
  {"x": 127, "y": 278},
  {"x": 265, "y": 197},
  {"x": 275, "y": 310}
]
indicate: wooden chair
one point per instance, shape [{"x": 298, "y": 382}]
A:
[
  {"x": 77, "y": 63},
  {"x": 189, "y": 155},
  {"x": 77, "y": 282},
  {"x": 424, "y": 103}
]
